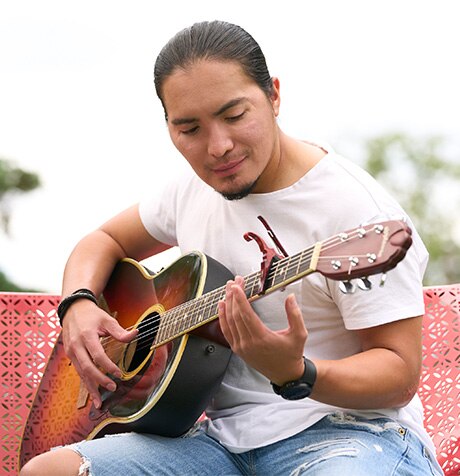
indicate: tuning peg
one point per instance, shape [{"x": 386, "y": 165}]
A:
[
  {"x": 364, "y": 284},
  {"x": 383, "y": 280},
  {"x": 347, "y": 287}
]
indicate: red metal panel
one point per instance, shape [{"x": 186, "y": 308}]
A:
[
  {"x": 29, "y": 328},
  {"x": 440, "y": 382}
]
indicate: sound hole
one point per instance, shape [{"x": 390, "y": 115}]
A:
[{"x": 139, "y": 349}]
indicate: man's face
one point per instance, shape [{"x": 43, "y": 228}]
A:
[{"x": 224, "y": 125}]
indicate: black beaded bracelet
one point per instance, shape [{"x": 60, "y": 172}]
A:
[{"x": 69, "y": 300}]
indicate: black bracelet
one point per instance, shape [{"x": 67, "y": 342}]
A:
[{"x": 69, "y": 300}]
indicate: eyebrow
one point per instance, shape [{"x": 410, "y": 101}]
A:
[{"x": 225, "y": 107}]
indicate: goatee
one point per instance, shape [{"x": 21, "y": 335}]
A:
[{"x": 244, "y": 192}]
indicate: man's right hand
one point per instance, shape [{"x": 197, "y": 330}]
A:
[{"x": 84, "y": 324}]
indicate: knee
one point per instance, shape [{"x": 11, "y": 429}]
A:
[
  {"x": 32, "y": 468},
  {"x": 63, "y": 462}
]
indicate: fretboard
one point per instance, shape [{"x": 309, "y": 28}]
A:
[{"x": 203, "y": 309}]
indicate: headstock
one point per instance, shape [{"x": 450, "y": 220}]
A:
[{"x": 364, "y": 251}]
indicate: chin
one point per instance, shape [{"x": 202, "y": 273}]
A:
[{"x": 240, "y": 193}]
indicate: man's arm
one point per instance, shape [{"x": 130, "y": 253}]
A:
[
  {"x": 384, "y": 374},
  {"x": 90, "y": 266}
]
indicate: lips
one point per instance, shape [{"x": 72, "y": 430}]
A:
[{"x": 229, "y": 168}]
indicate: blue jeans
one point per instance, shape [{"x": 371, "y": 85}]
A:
[{"x": 336, "y": 445}]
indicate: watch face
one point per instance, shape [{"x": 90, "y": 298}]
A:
[{"x": 296, "y": 391}]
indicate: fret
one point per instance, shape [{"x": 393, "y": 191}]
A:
[
  {"x": 200, "y": 310},
  {"x": 169, "y": 326},
  {"x": 191, "y": 316},
  {"x": 186, "y": 320},
  {"x": 281, "y": 271},
  {"x": 271, "y": 276},
  {"x": 161, "y": 328},
  {"x": 158, "y": 335},
  {"x": 292, "y": 268},
  {"x": 299, "y": 262},
  {"x": 286, "y": 272},
  {"x": 211, "y": 308},
  {"x": 253, "y": 285}
]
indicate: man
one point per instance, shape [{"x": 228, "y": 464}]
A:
[{"x": 354, "y": 359}]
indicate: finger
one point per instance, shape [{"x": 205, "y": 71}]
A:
[
  {"x": 239, "y": 281},
  {"x": 248, "y": 321},
  {"x": 100, "y": 358},
  {"x": 111, "y": 329},
  {"x": 91, "y": 376},
  {"x": 221, "y": 310},
  {"x": 229, "y": 308},
  {"x": 92, "y": 371},
  {"x": 118, "y": 332},
  {"x": 230, "y": 311},
  {"x": 242, "y": 311}
]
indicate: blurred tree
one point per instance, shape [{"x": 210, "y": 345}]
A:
[
  {"x": 13, "y": 181},
  {"x": 426, "y": 183}
]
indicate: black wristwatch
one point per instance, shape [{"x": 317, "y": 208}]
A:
[{"x": 301, "y": 388}]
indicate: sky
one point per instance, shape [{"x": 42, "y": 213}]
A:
[{"x": 78, "y": 107}]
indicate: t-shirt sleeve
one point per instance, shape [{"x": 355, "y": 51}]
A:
[
  {"x": 158, "y": 211},
  {"x": 400, "y": 297}
]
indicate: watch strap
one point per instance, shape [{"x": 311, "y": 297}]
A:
[{"x": 308, "y": 377}]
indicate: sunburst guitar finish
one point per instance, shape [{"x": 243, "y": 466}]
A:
[{"x": 164, "y": 388}]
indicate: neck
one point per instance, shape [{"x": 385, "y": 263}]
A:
[{"x": 292, "y": 159}]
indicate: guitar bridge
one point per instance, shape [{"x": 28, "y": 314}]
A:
[{"x": 83, "y": 396}]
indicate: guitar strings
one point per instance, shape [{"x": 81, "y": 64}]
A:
[
  {"x": 143, "y": 336},
  {"x": 214, "y": 296},
  {"x": 250, "y": 282},
  {"x": 166, "y": 320}
]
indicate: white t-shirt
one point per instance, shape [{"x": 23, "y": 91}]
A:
[{"x": 334, "y": 196}]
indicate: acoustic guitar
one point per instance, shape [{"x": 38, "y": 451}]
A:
[{"x": 178, "y": 360}]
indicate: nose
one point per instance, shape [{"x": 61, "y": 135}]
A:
[{"x": 219, "y": 141}]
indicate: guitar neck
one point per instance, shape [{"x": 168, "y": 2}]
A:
[{"x": 201, "y": 310}]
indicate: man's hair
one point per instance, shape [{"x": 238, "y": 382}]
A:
[{"x": 215, "y": 40}]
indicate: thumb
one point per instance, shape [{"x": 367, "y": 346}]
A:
[{"x": 294, "y": 315}]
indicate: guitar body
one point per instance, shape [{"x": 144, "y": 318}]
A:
[{"x": 162, "y": 391}]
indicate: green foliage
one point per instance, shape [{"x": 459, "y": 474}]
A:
[
  {"x": 425, "y": 182},
  {"x": 7, "y": 285},
  {"x": 13, "y": 181}
]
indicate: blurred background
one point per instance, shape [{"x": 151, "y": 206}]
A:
[{"x": 82, "y": 134}]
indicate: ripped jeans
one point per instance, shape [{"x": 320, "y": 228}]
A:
[{"x": 339, "y": 444}]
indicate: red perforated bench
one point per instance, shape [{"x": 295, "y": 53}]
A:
[{"x": 29, "y": 327}]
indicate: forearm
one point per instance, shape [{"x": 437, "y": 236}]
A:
[
  {"x": 93, "y": 259},
  {"x": 91, "y": 263},
  {"x": 376, "y": 378}
]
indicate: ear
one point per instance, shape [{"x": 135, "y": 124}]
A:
[{"x": 276, "y": 98}]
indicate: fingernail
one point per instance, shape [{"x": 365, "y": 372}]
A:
[{"x": 111, "y": 387}]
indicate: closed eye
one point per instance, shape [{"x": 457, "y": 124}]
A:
[
  {"x": 190, "y": 131},
  {"x": 236, "y": 118}
]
